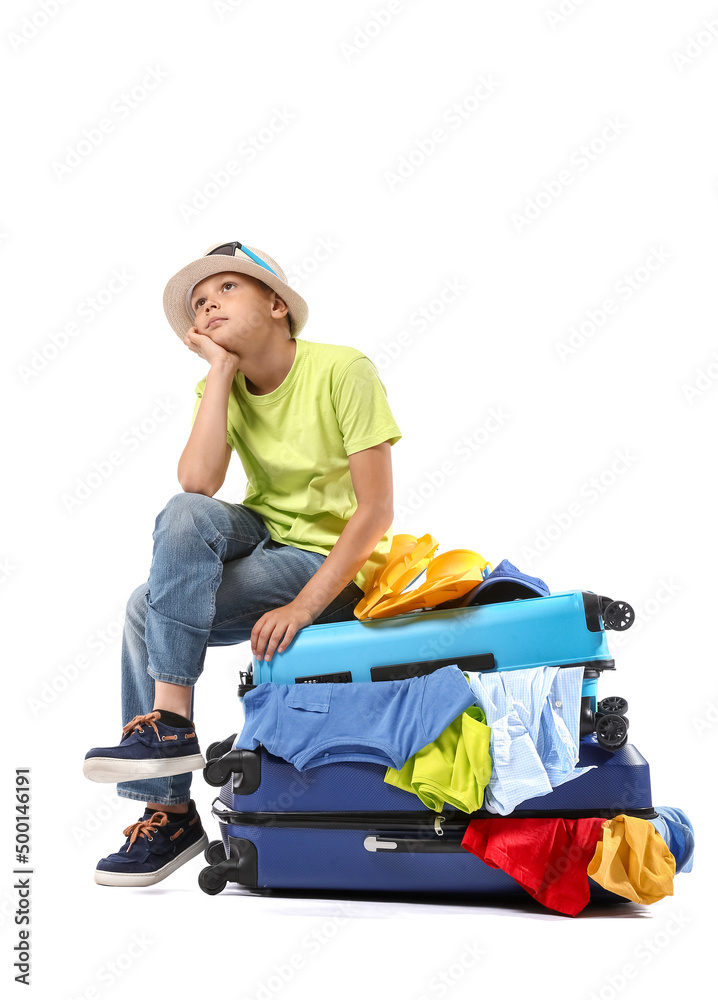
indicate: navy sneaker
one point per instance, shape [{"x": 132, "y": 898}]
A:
[
  {"x": 156, "y": 845},
  {"x": 149, "y": 749}
]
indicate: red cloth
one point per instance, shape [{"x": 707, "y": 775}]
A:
[{"x": 547, "y": 856}]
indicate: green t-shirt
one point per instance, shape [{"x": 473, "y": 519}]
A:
[{"x": 293, "y": 443}]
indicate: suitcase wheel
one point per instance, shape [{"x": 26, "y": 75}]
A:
[
  {"x": 613, "y": 706},
  {"x": 618, "y": 615},
  {"x": 217, "y": 771},
  {"x": 214, "y": 853},
  {"x": 611, "y": 731},
  {"x": 219, "y": 748},
  {"x": 211, "y": 882}
]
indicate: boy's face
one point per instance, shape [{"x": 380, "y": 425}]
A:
[{"x": 236, "y": 306}]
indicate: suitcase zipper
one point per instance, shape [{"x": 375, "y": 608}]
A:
[
  {"x": 428, "y": 844},
  {"x": 410, "y": 822},
  {"x": 423, "y": 822}
]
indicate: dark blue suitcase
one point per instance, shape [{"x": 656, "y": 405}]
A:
[{"x": 342, "y": 827}]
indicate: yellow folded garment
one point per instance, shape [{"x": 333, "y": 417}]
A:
[
  {"x": 455, "y": 768},
  {"x": 449, "y": 576},
  {"x": 407, "y": 560},
  {"x": 633, "y": 860}
]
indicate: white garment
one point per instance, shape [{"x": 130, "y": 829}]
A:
[{"x": 535, "y": 717}]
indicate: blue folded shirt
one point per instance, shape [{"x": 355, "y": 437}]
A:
[{"x": 383, "y": 722}]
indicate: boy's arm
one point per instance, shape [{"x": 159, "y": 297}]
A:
[
  {"x": 203, "y": 463},
  {"x": 371, "y": 476}
]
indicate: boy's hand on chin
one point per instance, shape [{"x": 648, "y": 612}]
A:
[{"x": 205, "y": 347}]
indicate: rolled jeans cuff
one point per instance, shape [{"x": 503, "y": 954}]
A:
[
  {"x": 172, "y": 644},
  {"x": 170, "y": 678},
  {"x": 165, "y": 800}
]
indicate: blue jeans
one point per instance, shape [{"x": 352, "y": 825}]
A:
[{"x": 215, "y": 571}]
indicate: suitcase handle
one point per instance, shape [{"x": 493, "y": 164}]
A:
[
  {"x": 418, "y": 668},
  {"x": 421, "y": 843},
  {"x": 387, "y": 844}
]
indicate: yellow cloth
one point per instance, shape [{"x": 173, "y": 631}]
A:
[
  {"x": 449, "y": 576},
  {"x": 633, "y": 860},
  {"x": 455, "y": 768},
  {"x": 294, "y": 444}
]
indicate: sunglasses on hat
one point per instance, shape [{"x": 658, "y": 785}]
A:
[{"x": 230, "y": 249}]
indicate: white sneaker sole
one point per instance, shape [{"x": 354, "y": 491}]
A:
[
  {"x": 149, "y": 878},
  {"x": 110, "y": 769}
]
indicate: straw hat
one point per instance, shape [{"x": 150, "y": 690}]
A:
[{"x": 233, "y": 257}]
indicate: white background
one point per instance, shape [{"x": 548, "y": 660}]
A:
[{"x": 356, "y": 97}]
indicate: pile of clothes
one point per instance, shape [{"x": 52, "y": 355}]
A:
[
  {"x": 473, "y": 740},
  {"x": 478, "y": 742}
]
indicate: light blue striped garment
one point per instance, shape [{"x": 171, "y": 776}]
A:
[{"x": 534, "y": 716}]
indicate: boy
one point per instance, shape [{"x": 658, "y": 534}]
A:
[{"x": 313, "y": 430}]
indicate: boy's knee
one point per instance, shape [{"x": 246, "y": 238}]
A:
[
  {"x": 136, "y": 610},
  {"x": 188, "y": 501},
  {"x": 182, "y": 508}
]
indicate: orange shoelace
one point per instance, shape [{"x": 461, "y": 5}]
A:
[
  {"x": 140, "y": 720},
  {"x": 144, "y": 827}
]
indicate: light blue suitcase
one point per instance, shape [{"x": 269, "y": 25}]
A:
[{"x": 566, "y": 629}]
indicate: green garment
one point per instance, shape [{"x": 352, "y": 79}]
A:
[
  {"x": 455, "y": 768},
  {"x": 294, "y": 444}
]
